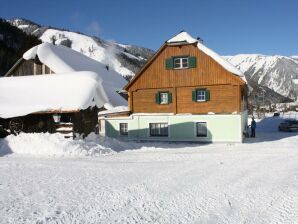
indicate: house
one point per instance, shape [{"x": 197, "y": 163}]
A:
[
  {"x": 185, "y": 92},
  {"x": 56, "y": 89}
]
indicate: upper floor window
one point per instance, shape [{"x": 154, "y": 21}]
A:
[
  {"x": 181, "y": 63},
  {"x": 200, "y": 95},
  {"x": 163, "y": 97}
]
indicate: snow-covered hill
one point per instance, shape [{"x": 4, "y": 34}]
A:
[
  {"x": 125, "y": 59},
  {"x": 275, "y": 72},
  {"x": 269, "y": 75}
]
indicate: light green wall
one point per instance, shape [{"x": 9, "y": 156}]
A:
[{"x": 221, "y": 128}]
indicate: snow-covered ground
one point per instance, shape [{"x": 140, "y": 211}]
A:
[{"x": 254, "y": 182}]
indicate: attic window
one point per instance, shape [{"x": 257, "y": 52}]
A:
[{"x": 180, "y": 63}]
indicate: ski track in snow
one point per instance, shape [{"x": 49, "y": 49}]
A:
[{"x": 254, "y": 182}]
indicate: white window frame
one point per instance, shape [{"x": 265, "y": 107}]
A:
[
  {"x": 164, "y": 97},
  {"x": 123, "y": 131},
  {"x": 158, "y": 127},
  {"x": 179, "y": 61},
  {"x": 201, "y": 97},
  {"x": 196, "y": 127}
]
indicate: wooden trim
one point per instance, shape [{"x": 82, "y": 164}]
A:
[
  {"x": 149, "y": 62},
  {"x": 57, "y": 111},
  {"x": 14, "y": 67},
  {"x": 126, "y": 87},
  {"x": 176, "y": 106}
]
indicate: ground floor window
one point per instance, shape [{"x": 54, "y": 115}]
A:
[
  {"x": 158, "y": 129},
  {"x": 123, "y": 127},
  {"x": 201, "y": 129}
]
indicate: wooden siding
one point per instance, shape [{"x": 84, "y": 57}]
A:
[
  {"x": 207, "y": 72},
  {"x": 144, "y": 102},
  {"x": 223, "y": 99},
  {"x": 228, "y": 91},
  {"x": 29, "y": 67}
]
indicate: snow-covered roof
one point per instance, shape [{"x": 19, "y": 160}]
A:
[
  {"x": 185, "y": 37},
  {"x": 77, "y": 81},
  {"x": 295, "y": 81},
  {"x": 120, "y": 109},
  {"x": 23, "y": 95},
  {"x": 61, "y": 59}
]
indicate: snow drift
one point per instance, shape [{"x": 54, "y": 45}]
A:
[{"x": 49, "y": 145}]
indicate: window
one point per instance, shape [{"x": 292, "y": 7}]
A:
[
  {"x": 123, "y": 127},
  {"x": 163, "y": 97},
  {"x": 201, "y": 129},
  {"x": 180, "y": 63},
  {"x": 200, "y": 95},
  {"x": 158, "y": 129}
]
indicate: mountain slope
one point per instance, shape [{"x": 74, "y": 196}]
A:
[
  {"x": 270, "y": 76},
  {"x": 125, "y": 59},
  {"x": 275, "y": 72}
]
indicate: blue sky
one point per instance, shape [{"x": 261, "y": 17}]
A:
[{"x": 227, "y": 26}]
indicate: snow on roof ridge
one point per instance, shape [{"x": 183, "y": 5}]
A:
[
  {"x": 185, "y": 37},
  {"x": 182, "y": 37}
]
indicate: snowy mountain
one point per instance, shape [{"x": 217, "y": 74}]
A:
[
  {"x": 274, "y": 72},
  {"x": 125, "y": 59},
  {"x": 270, "y": 76}
]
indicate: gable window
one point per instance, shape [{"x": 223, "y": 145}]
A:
[
  {"x": 180, "y": 63},
  {"x": 123, "y": 127},
  {"x": 163, "y": 97},
  {"x": 200, "y": 95},
  {"x": 201, "y": 128},
  {"x": 158, "y": 129}
]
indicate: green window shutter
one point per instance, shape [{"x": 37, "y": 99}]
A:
[
  {"x": 157, "y": 98},
  {"x": 169, "y": 63},
  {"x": 207, "y": 95},
  {"x": 170, "y": 97},
  {"x": 194, "y": 95},
  {"x": 192, "y": 62}
]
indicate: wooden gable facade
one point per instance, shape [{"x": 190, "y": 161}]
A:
[
  {"x": 227, "y": 92},
  {"x": 29, "y": 67}
]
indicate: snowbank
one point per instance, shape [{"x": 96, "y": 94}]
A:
[{"x": 45, "y": 144}]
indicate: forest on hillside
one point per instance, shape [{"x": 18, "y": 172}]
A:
[{"x": 13, "y": 44}]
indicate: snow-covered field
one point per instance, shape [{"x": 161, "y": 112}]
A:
[{"x": 105, "y": 181}]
